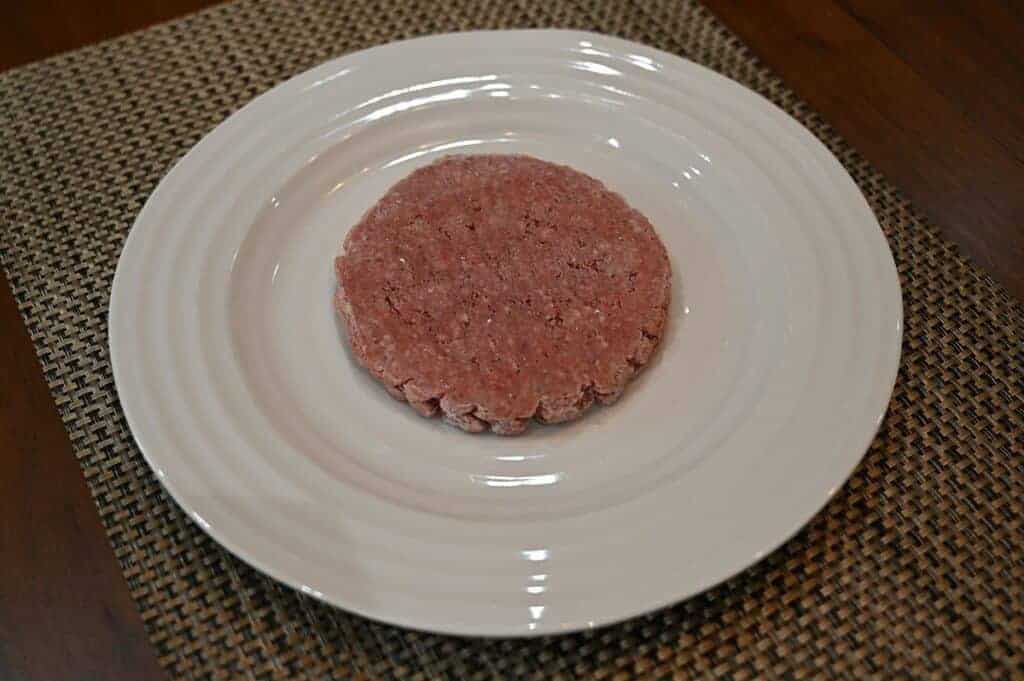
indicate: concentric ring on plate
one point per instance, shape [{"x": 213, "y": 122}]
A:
[{"x": 773, "y": 378}]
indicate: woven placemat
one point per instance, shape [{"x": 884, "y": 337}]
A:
[{"x": 915, "y": 569}]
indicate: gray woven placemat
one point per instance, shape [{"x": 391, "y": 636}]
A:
[{"x": 915, "y": 569}]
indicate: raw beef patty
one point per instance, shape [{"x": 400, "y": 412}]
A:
[{"x": 496, "y": 289}]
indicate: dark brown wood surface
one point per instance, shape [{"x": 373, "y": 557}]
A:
[
  {"x": 65, "y": 611},
  {"x": 931, "y": 92},
  {"x": 34, "y": 29}
]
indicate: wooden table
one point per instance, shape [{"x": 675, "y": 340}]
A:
[{"x": 931, "y": 92}]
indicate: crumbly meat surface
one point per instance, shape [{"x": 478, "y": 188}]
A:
[{"x": 496, "y": 289}]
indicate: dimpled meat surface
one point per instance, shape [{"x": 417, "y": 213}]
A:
[{"x": 496, "y": 289}]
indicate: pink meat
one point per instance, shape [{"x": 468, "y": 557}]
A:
[{"x": 497, "y": 289}]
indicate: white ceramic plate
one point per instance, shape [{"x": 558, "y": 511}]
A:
[{"x": 776, "y": 370}]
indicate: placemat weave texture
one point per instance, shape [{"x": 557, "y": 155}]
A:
[{"x": 916, "y": 569}]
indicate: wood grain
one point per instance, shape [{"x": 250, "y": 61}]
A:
[
  {"x": 973, "y": 59},
  {"x": 901, "y": 81},
  {"x": 34, "y": 29},
  {"x": 65, "y": 610}
]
